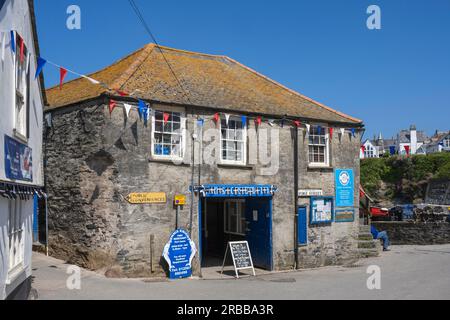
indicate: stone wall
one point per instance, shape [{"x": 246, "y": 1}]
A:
[
  {"x": 94, "y": 160},
  {"x": 415, "y": 233}
]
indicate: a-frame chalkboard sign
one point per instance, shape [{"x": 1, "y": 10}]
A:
[{"x": 242, "y": 258}]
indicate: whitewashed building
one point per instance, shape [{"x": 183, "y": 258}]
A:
[{"x": 21, "y": 174}]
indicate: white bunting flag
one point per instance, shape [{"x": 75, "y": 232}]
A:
[
  {"x": 3, "y": 44},
  {"x": 93, "y": 81},
  {"x": 271, "y": 122},
  {"x": 308, "y": 127},
  {"x": 127, "y": 109},
  {"x": 227, "y": 118},
  {"x": 28, "y": 62},
  {"x": 342, "y": 131}
]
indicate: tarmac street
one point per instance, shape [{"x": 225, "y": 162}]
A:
[{"x": 407, "y": 272}]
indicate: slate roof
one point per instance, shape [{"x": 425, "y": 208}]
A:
[
  {"x": 212, "y": 81},
  {"x": 405, "y": 136}
]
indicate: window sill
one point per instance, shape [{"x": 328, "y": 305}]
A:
[
  {"x": 174, "y": 161},
  {"x": 235, "y": 166},
  {"x": 20, "y": 137},
  {"x": 320, "y": 167}
]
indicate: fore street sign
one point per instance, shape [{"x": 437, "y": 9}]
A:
[{"x": 147, "y": 198}]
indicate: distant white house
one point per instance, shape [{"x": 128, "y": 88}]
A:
[
  {"x": 440, "y": 142},
  {"x": 21, "y": 173},
  {"x": 377, "y": 147}
]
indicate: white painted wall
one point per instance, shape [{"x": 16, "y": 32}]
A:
[{"x": 15, "y": 15}]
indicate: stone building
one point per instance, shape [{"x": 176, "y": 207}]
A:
[{"x": 245, "y": 189}]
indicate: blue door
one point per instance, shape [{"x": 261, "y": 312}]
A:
[
  {"x": 302, "y": 227},
  {"x": 259, "y": 231}
]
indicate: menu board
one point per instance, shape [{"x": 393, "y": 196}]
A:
[
  {"x": 321, "y": 210},
  {"x": 242, "y": 258}
]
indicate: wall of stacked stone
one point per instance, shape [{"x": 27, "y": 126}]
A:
[
  {"x": 94, "y": 160},
  {"x": 416, "y": 233}
]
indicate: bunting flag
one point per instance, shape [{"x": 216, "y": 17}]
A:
[
  {"x": 3, "y": 40},
  {"x": 227, "y": 118},
  {"x": 93, "y": 81},
  {"x": 271, "y": 122},
  {"x": 392, "y": 150},
  {"x": 308, "y": 127},
  {"x": 331, "y": 130},
  {"x": 282, "y": 122},
  {"x": 216, "y": 118},
  {"x": 297, "y": 123},
  {"x": 353, "y": 132},
  {"x": 13, "y": 42},
  {"x": 363, "y": 149},
  {"x": 319, "y": 130},
  {"x": 342, "y": 130},
  {"x": 258, "y": 121},
  {"x": 127, "y": 109},
  {"x": 166, "y": 117},
  {"x": 122, "y": 93},
  {"x": 141, "y": 108},
  {"x": 407, "y": 149},
  {"x": 62, "y": 76},
  {"x": 200, "y": 122},
  {"x": 112, "y": 106},
  {"x": 22, "y": 49},
  {"x": 146, "y": 115},
  {"x": 244, "y": 120},
  {"x": 40, "y": 65}
]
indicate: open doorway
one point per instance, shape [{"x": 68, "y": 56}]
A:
[{"x": 236, "y": 219}]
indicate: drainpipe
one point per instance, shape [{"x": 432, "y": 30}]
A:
[
  {"x": 193, "y": 135},
  {"x": 296, "y": 197},
  {"x": 46, "y": 225}
]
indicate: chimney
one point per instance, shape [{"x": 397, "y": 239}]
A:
[{"x": 413, "y": 139}]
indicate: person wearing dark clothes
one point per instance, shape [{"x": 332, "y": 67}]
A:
[{"x": 381, "y": 235}]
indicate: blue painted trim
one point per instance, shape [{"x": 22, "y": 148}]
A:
[
  {"x": 271, "y": 233},
  {"x": 200, "y": 230},
  {"x": 35, "y": 219},
  {"x": 236, "y": 191},
  {"x": 313, "y": 222}
]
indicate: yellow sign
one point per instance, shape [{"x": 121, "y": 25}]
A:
[
  {"x": 147, "y": 198},
  {"x": 180, "y": 200}
]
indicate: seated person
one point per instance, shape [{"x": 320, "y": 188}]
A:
[{"x": 381, "y": 235}]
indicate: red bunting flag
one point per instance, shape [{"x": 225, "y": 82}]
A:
[
  {"x": 22, "y": 49},
  {"x": 216, "y": 118},
  {"x": 407, "y": 149},
  {"x": 258, "y": 121},
  {"x": 166, "y": 117},
  {"x": 363, "y": 149},
  {"x": 331, "y": 132},
  {"x": 112, "y": 106},
  {"x": 62, "y": 75},
  {"x": 297, "y": 123},
  {"x": 122, "y": 93}
]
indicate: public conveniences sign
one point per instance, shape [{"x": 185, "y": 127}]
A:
[
  {"x": 179, "y": 253},
  {"x": 345, "y": 188}
]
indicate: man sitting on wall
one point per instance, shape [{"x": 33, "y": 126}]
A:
[{"x": 381, "y": 235}]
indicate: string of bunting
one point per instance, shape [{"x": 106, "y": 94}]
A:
[{"x": 143, "y": 108}]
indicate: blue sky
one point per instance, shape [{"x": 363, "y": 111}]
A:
[{"x": 390, "y": 78}]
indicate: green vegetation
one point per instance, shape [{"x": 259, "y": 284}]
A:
[{"x": 403, "y": 178}]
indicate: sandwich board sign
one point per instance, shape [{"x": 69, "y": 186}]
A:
[{"x": 242, "y": 258}]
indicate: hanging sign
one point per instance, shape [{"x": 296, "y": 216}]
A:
[
  {"x": 179, "y": 253},
  {"x": 147, "y": 198},
  {"x": 242, "y": 258},
  {"x": 344, "y": 215},
  {"x": 345, "y": 188},
  {"x": 236, "y": 191},
  {"x": 18, "y": 160}
]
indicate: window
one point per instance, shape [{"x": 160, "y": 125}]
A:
[
  {"x": 235, "y": 222},
  {"x": 447, "y": 142},
  {"x": 21, "y": 86},
  {"x": 318, "y": 146},
  {"x": 370, "y": 152},
  {"x": 16, "y": 238},
  {"x": 233, "y": 141},
  {"x": 168, "y": 134}
]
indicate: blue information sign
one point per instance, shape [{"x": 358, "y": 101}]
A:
[
  {"x": 345, "y": 188},
  {"x": 179, "y": 253},
  {"x": 18, "y": 160}
]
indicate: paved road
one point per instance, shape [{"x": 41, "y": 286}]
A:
[{"x": 407, "y": 272}]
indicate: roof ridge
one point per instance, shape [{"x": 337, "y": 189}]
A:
[
  {"x": 92, "y": 74},
  {"x": 294, "y": 92}
]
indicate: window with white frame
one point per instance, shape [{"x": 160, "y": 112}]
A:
[
  {"x": 233, "y": 141},
  {"x": 16, "y": 238},
  {"x": 447, "y": 142},
  {"x": 168, "y": 130},
  {"x": 21, "y": 85},
  {"x": 318, "y": 146},
  {"x": 234, "y": 214},
  {"x": 370, "y": 152}
]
